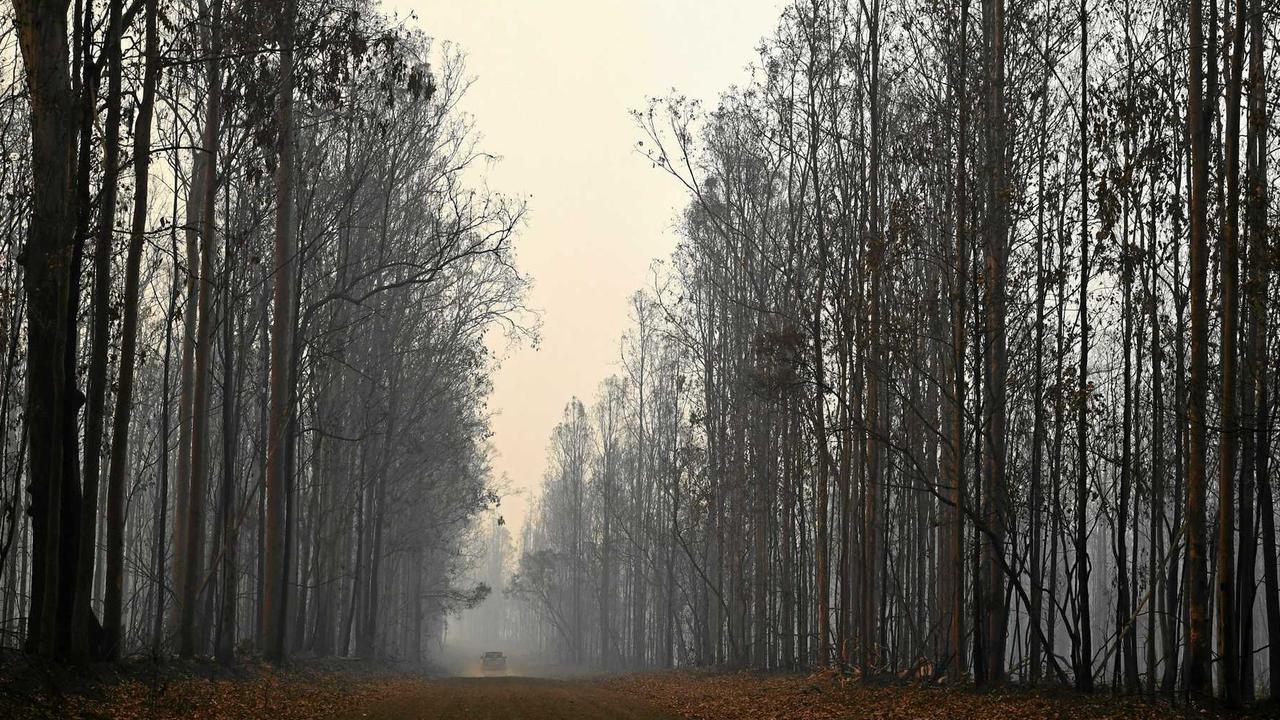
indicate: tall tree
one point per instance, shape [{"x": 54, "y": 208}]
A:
[
  {"x": 996, "y": 258},
  {"x": 42, "y": 35},
  {"x": 1228, "y": 631},
  {"x": 274, "y": 608},
  {"x": 193, "y": 568},
  {"x": 1257, "y": 295},
  {"x": 1198, "y": 681},
  {"x": 123, "y": 414},
  {"x": 1084, "y": 630}
]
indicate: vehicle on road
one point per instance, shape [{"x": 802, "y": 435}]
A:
[{"x": 493, "y": 661}]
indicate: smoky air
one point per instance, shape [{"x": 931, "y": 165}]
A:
[{"x": 763, "y": 359}]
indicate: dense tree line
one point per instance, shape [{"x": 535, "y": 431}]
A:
[
  {"x": 961, "y": 368},
  {"x": 248, "y": 266}
]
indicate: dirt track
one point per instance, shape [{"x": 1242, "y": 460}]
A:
[{"x": 510, "y": 698}]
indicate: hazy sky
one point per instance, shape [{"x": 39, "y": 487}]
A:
[{"x": 555, "y": 82}]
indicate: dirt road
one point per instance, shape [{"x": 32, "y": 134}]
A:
[{"x": 509, "y": 698}]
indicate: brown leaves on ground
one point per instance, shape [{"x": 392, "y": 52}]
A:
[
  {"x": 748, "y": 696},
  {"x": 259, "y": 693},
  {"x": 252, "y": 692}
]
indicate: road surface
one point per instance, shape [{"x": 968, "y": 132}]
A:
[{"x": 510, "y": 698}]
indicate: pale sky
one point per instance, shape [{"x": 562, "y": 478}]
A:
[{"x": 555, "y": 80}]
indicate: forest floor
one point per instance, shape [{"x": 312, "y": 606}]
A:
[
  {"x": 722, "y": 696},
  {"x": 145, "y": 691}
]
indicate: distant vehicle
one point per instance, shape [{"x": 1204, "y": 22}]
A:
[{"x": 493, "y": 662}]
